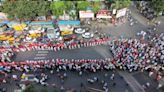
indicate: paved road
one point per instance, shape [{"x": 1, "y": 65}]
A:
[
  {"x": 97, "y": 52},
  {"x": 74, "y": 80},
  {"x": 142, "y": 78},
  {"x": 136, "y": 87}
]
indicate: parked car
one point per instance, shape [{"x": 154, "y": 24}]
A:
[{"x": 87, "y": 35}]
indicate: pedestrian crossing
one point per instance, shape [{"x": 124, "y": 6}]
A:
[{"x": 41, "y": 55}]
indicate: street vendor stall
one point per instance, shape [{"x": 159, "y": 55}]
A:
[
  {"x": 67, "y": 27},
  {"x": 19, "y": 27},
  {"x": 86, "y": 14},
  {"x": 104, "y": 14}
]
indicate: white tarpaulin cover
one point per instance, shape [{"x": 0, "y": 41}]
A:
[
  {"x": 121, "y": 12},
  {"x": 86, "y": 14}
]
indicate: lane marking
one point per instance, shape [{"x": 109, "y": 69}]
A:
[
  {"x": 43, "y": 51},
  {"x": 39, "y": 58},
  {"x": 41, "y": 54}
]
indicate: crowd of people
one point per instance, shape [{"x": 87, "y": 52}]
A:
[
  {"x": 8, "y": 52},
  {"x": 128, "y": 54},
  {"x": 78, "y": 65},
  {"x": 57, "y": 65},
  {"x": 56, "y": 47},
  {"x": 134, "y": 54},
  {"x": 6, "y": 55}
]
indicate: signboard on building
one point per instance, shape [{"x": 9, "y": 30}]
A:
[
  {"x": 121, "y": 12},
  {"x": 86, "y": 14},
  {"x": 104, "y": 14}
]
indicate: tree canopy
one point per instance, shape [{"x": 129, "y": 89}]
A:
[
  {"x": 83, "y": 5},
  {"x": 96, "y": 6},
  {"x": 118, "y": 4},
  {"x": 58, "y": 8},
  {"x": 25, "y": 10},
  {"x": 157, "y": 5}
]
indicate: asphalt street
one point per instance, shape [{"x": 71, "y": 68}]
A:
[
  {"x": 74, "y": 81},
  {"x": 97, "y": 52}
]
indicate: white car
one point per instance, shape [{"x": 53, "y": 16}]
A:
[
  {"x": 87, "y": 35},
  {"x": 79, "y": 31}
]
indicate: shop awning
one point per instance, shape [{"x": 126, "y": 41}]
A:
[
  {"x": 63, "y": 22},
  {"x": 41, "y": 23}
]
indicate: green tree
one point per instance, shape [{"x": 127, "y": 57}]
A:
[
  {"x": 118, "y": 4},
  {"x": 157, "y": 5},
  {"x": 25, "y": 9},
  {"x": 43, "y": 7},
  {"x": 9, "y": 8},
  {"x": 96, "y": 6},
  {"x": 82, "y": 5},
  {"x": 30, "y": 88},
  {"x": 69, "y": 6},
  {"x": 58, "y": 8}
]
